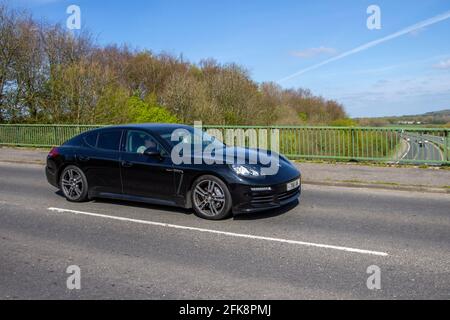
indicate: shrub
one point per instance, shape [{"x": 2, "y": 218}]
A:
[
  {"x": 344, "y": 123},
  {"x": 140, "y": 111}
]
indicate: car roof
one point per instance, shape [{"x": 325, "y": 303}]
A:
[{"x": 148, "y": 126}]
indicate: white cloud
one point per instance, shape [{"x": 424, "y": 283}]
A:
[
  {"x": 313, "y": 52},
  {"x": 417, "y": 32},
  {"x": 408, "y": 30},
  {"x": 445, "y": 64},
  {"x": 396, "y": 90}
]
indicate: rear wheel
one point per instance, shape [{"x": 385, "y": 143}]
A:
[
  {"x": 73, "y": 184},
  {"x": 211, "y": 198}
]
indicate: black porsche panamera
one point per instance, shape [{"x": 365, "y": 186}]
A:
[{"x": 135, "y": 163}]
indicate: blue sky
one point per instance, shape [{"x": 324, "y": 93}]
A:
[{"x": 277, "y": 38}]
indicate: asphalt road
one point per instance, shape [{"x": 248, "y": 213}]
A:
[
  {"x": 427, "y": 152},
  {"x": 318, "y": 249}
]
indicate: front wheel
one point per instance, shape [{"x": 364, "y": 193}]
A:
[
  {"x": 73, "y": 184},
  {"x": 211, "y": 198}
]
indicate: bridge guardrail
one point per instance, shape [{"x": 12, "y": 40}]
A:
[
  {"x": 383, "y": 144},
  {"x": 377, "y": 144}
]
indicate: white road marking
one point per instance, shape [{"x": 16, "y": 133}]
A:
[
  {"x": 230, "y": 234},
  {"x": 441, "y": 154},
  {"x": 407, "y": 152}
]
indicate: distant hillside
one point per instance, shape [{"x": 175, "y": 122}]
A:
[
  {"x": 443, "y": 113},
  {"x": 441, "y": 118}
]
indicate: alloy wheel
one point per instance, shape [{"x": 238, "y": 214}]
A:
[
  {"x": 72, "y": 184},
  {"x": 209, "y": 198}
]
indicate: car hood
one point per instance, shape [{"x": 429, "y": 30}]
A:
[
  {"x": 271, "y": 162},
  {"x": 239, "y": 155}
]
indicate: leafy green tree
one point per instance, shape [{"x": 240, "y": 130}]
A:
[
  {"x": 48, "y": 74},
  {"x": 303, "y": 116},
  {"x": 148, "y": 111},
  {"x": 344, "y": 123},
  {"x": 111, "y": 107}
]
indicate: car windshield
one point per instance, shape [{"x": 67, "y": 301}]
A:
[{"x": 194, "y": 136}]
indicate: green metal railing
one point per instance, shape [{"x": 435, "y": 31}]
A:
[
  {"x": 39, "y": 135},
  {"x": 396, "y": 145},
  {"x": 402, "y": 145}
]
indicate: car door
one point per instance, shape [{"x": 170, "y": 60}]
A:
[
  {"x": 100, "y": 161},
  {"x": 142, "y": 175}
]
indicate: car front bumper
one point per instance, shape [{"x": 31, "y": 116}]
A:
[{"x": 246, "y": 200}]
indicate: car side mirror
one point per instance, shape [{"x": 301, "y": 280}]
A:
[{"x": 152, "y": 152}]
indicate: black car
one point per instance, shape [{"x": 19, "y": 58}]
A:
[{"x": 134, "y": 162}]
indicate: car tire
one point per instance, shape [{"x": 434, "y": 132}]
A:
[
  {"x": 73, "y": 184},
  {"x": 211, "y": 198}
]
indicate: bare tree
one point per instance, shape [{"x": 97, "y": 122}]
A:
[
  {"x": 49, "y": 74},
  {"x": 9, "y": 48}
]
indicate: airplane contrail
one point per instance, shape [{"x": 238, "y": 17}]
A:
[{"x": 374, "y": 43}]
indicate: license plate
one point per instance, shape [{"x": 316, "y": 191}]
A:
[{"x": 292, "y": 185}]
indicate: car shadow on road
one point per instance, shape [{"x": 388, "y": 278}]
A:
[
  {"x": 269, "y": 213},
  {"x": 245, "y": 216},
  {"x": 132, "y": 204},
  {"x": 142, "y": 205}
]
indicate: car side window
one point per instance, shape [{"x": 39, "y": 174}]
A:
[
  {"x": 91, "y": 139},
  {"x": 139, "y": 141},
  {"x": 109, "y": 140}
]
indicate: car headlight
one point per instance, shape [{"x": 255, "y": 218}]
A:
[{"x": 245, "y": 171}]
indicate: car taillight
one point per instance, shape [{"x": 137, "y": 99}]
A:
[{"x": 53, "y": 153}]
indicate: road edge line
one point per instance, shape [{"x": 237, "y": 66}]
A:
[{"x": 226, "y": 233}]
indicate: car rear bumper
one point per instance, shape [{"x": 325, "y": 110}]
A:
[
  {"x": 246, "y": 200},
  {"x": 51, "y": 172}
]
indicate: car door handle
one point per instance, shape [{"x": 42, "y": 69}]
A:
[
  {"x": 83, "y": 158},
  {"x": 175, "y": 170},
  {"x": 127, "y": 164}
]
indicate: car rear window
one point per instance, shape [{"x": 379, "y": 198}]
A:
[
  {"x": 109, "y": 140},
  {"x": 74, "y": 142}
]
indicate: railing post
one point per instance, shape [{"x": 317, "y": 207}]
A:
[
  {"x": 447, "y": 146},
  {"x": 54, "y": 136},
  {"x": 353, "y": 142}
]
